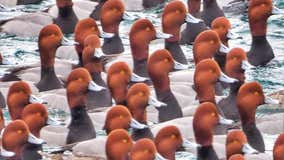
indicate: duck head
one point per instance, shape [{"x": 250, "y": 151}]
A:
[
  {"x": 278, "y": 150},
  {"x": 142, "y": 32},
  {"x": 174, "y": 15},
  {"x": 118, "y": 78},
  {"x": 35, "y": 116},
  {"x": 207, "y": 73},
  {"x": 237, "y": 64},
  {"x": 118, "y": 144},
  {"x": 259, "y": 11},
  {"x": 64, "y": 3},
  {"x": 14, "y": 137},
  {"x": 223, "y": 27},
  {"x": 145, "y": 149},
  {"x": 112, "y": 13},
  {"x": 91, "y": 55},
  {"x": 79, "y": 83},
  {"x": 20, "y": 95},
  {"x": 206, "y": 45},
  {"x": 206, "y": 118},
  {"x": 237, "y": 143},
  {"x": 249, "y": 97},
  {"x": 138, "y": 98},
  {"x": 119, "y": 117}
]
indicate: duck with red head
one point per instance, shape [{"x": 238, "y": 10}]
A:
[
  {"x": 278, "y": 150},
  {"x": 207, "y": 73},
  {"x": 145, "y": 149},
  {"x": 50, "y": 38},
  {"x": 66, "y": 18},
  {"x": 79, "y": 83},
  {"x": 189, "y": 34},
  {"x": 211, "y": 11},
  {"x": 259, "y": 11},
  {"x": 223, "y": 27},
  {"x": 249, "y": 97},
  {"x": 15, "y": 137},
  {"x": 118, "y": 145},
  {"x": 20, "y": 95},
  {"x": 205, "y": 119},
  {"x": 142, "y": 32},
  {"x": 160, "y": 64},
  {"x": 119, "y": 117},
  {"x": 236, "y": 143},
  {"x": 138, "y": 98},
  {"x": 92, "y": 61},
  {"x": 206, "y": 45},
  {"x": 112, "y": 13},
  {"x": 174, "y": 15},
  {"x": 236, "y": 65},
  {"x": 169, "y": 140}
]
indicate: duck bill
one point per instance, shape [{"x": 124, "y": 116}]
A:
[
  {"x": 5, "y": 153},
  {"x": 137, "y": 78},
  {"x": 225, "y": 121},
  {"x": 94, "y": 87},
  {"x": 35, "y": 99},
  {"x": 224, "y": 49},
  {"x": 98, "y": 53},
  {"x": 53, "y": 122},
  {"x": 233, "y": 35},
  {"x": 67, "y": 42},
  {"x": 180, "y": 66},
  {"x": 191, "y": 19},
  {"x": 276, "y": 11},
  {"x": 247, "y": 149},
  {"x": 106, "y": 35},
  {"x": 126, "y": 16},
  {"x": 269, "y": 100},
  {"x": 190, "y": 145},
  {"x": 158, "y": 156},
  {"x": 161, "y": 35},
  {"x": 137, "y": 125},
  {"x": 34, "y": 140},
  {"x": 156, "y": 103},
  {"x": 246, "y": 65},
  {"x": 224, "y": 78}
]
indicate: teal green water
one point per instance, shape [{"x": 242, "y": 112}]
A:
[{"x": 18, "y": 50}]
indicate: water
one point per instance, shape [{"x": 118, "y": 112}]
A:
[{"x": 18, "y": 50}]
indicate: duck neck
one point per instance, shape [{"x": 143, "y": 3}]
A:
[
  {"x": 234, "y": 88},
  {"x": 259, "y": 41},
  {"x": 206, "y": 153},
  {"x": 48, "y": 80},
  {"x": 140, "y": 67},
  {"x": 113, "y": 45},
  {"x": 97, "y": 78},
  {"x": 140, "y": 53},
  {"x": 210, "y": 4},
  {"x": 258, "y": 28},
  {"x": 142, "y": 133},
  {"x": 254, "y": 136},
  {"x": 151, "y": 3},
  {"x": 205, "y": 93},
  {"x": 66, "y": 11},
  {"x": 176, "y": 51}
]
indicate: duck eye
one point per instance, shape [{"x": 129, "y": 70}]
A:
[
  {"x": 124, "y": 141},
  {"x": 38, "y": 114},
  {"x": 80, "y": 79},
  {"x": 52, "y": 35},
  {"x": 19, "y": 131},
  {"x": 263, "y": 5},
  {"x": 93, "y": 28},
  {"x": 166, "y": 60},
  {"x": 141, "y": 94},
  {"x": 146, "y": 151},
  {"x": 212, "y": 42},
  {"x": 213, "y": 114},
  {"x": 120, "y": 116},
  {"x": 235, "y": 58},
  {"x": 178, "y": 11},
  {"x": 211, "y": 71},
  {"x": 173, "y": 136},
  {"x": 122, "y": 72},
  {"x": 148, "y": 29},
  {"x": 256, "y": 93}
]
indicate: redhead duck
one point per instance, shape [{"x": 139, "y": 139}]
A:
[
  {"x": 278, "y": 150},
  {"x": 160, "y": 64},
  {"x": 207, "y": 73},
  {"x": 223, "y": 27},
  {"x": 112, "y": 13},
  {"x": 138, "y": 98},
  {"x": 189, "y": 34},
  {"x": 20, "y": 95},
  {"x": 15, "y": 137},
  {"x": 211, "y": 11},
  {"x": 142, "y": 32},
  {"x": 236, "y": 143},
  {"x": 204, "y": 121},
  {"x": 145, "y": 149},
  {"x": 118, "y": 144},
  {"x": 259, "y": 11},
  {"x": 79, "y": 83},
  {"x": 249, "y": 97},
  {"x": 206, "y": 45},
  {"x": 174, "y": 15},
  {"x": 169, "y": 140},
  {"x": 236, "y": 65},
  {"x": 93, "y": 63}
]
